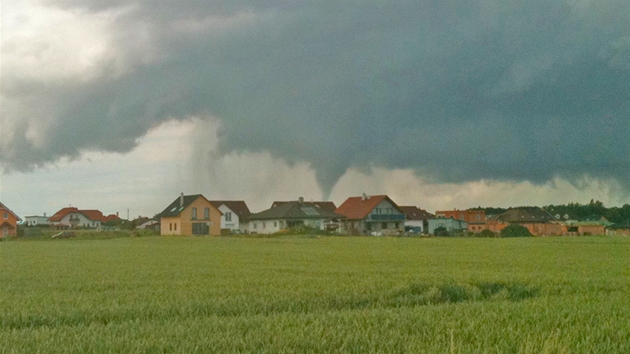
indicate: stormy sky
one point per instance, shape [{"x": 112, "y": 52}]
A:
[{"x": 455, "y": 92}]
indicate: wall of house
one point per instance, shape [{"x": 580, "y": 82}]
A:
[
  {"x": 618, "y": 232},
  {"x": 275, "y": 225},
  {"x": 36, "y": 220},
  {"x": 82, "y": 221},
  {"x": 234, "y": 224},
  {"x": 266, "y": 226},
  {"x": 187, "y": 221},
  {"x": 476, "y": 228},
  {"x": 170, "y": 226},
  {"x": 385, "y": 207},
  {"x": 8, "y": 222},
  {"x": 591, "y": 229}
]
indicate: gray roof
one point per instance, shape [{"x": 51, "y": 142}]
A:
[
  {"x": 296, "y": 210},
  {"x": 524, "y": 215},
  {"x": 174, "y": 209}
]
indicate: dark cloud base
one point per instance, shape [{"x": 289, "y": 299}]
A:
[{"x": 523, "y": 90}]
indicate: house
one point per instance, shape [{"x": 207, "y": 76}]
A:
[
  {"x": 475, "y": 218},
  {"x": 190, "y": 215},
  {"x": 593, "y": 226},
  {"x": 233, "y": 211},
  {"x": 72, "y": 217},
  {"x": 416, "y": 219},
  {"x": 619, "y": 229},
  {"x": 145, "y": 223},
  {"x": 536, "y": 220},
  {"x": 327, "y": 205},
  {"x": 36, "y": 220},
  {"x": 288, "y": 215},
  {"x": 446, "y": 226},
  {"x": 371, "y": 215},
  {"x": 9, "y": 221}
]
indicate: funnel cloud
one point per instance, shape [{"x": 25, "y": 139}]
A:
[{"x": 456, "y": 91}]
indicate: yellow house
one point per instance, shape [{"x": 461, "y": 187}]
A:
[{"x": 191, "y": 215}]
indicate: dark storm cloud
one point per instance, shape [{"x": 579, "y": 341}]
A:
[{"x": 518, "y": 90}]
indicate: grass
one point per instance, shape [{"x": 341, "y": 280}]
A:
[{"x": 326, "y": 294}]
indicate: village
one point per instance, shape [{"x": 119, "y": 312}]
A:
[{"x": 368, "y": 215}]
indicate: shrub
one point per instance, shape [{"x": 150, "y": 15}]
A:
[
  {"x": 441, "y": 231},
  {"x": 514, "y": 230},
  {"x": 486, "y": 233}
]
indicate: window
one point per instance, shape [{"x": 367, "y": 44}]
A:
[
  {"x": 194, "y": 213},
  {"x": 264, "y": 224},
  {"x": 282, "y": 224},
  {"x": 275, "y": 224},
  {"x": 206, "y": 213},
  {"x": 170, "y": 227},
  {"x": 384, "y": 226},
  {"x": 6, "y": 216},
  {"x": 228, "y": 216},
  {"x": 175, "y": 226},
  {"x": 255, "y": 225},
  {"x": 478, "y": 217},
  {"x": 395, "y": 225}
]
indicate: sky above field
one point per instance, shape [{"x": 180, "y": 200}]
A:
[{"x": 122, "y": 104}]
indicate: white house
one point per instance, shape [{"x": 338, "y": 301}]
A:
[
  {"x": 35, "y": 220},
  {"x": 233, "y": 213},
  {"x": 292, "y": 215},
  {"x": 73, "y": 217}
]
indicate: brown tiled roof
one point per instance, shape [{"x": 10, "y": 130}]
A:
[
  {"x": 4, "y": 207},
  {"x": 237, "y": 206},
  {"x": 326, "y": 205},
  {"x": 415, "y": 213},
  {"x": 524, "y": 215},
  {"x": 94, "y": 215},
  {"x": 358, "y": 207}
]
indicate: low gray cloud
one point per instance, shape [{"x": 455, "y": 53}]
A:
[{"x": 518, "y": 90}]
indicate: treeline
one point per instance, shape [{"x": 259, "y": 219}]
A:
[
  {"x": 590, "y": 211},
  {"x": 576, "y": 211}
]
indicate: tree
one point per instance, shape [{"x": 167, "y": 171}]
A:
[
  {"x": 486, "y": 233},
  {"x": 515, "y": 230}
]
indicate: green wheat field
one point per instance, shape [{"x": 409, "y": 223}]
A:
[{"x": 315, "y": 295}]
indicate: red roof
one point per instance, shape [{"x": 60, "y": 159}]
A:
[
  {"x": 94, "y": 215},
  {"x": 360, "y": 207}
]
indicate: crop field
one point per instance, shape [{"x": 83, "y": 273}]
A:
[{"x": 315, "y": 295}]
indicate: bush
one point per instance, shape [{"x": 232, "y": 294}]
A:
[
  {"x": 486, "y": 233},
  {"x": 440, "y": 231},
  {"x": 514, "y": 230}
]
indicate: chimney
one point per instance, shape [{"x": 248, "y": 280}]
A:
[
  {"x": 301, "y": 200},
  {"x": 364, "y": 196},
  {"x": 181, "y": 200},
  {"x": 44, "y": 214}
]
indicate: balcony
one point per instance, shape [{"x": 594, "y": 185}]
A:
[{"x": 387, "y": 217}]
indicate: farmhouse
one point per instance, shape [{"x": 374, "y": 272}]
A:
[
  {"x": 286, "y": 215},
  {"x": 536, "y": 220},
  {"x": 371, "y": 215},
  {"x": 72, "y": 217},
  {"x": 190, "y": 215},
  {"x": 8, "y": 221},
  {"x": 233, "y": 212}
]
